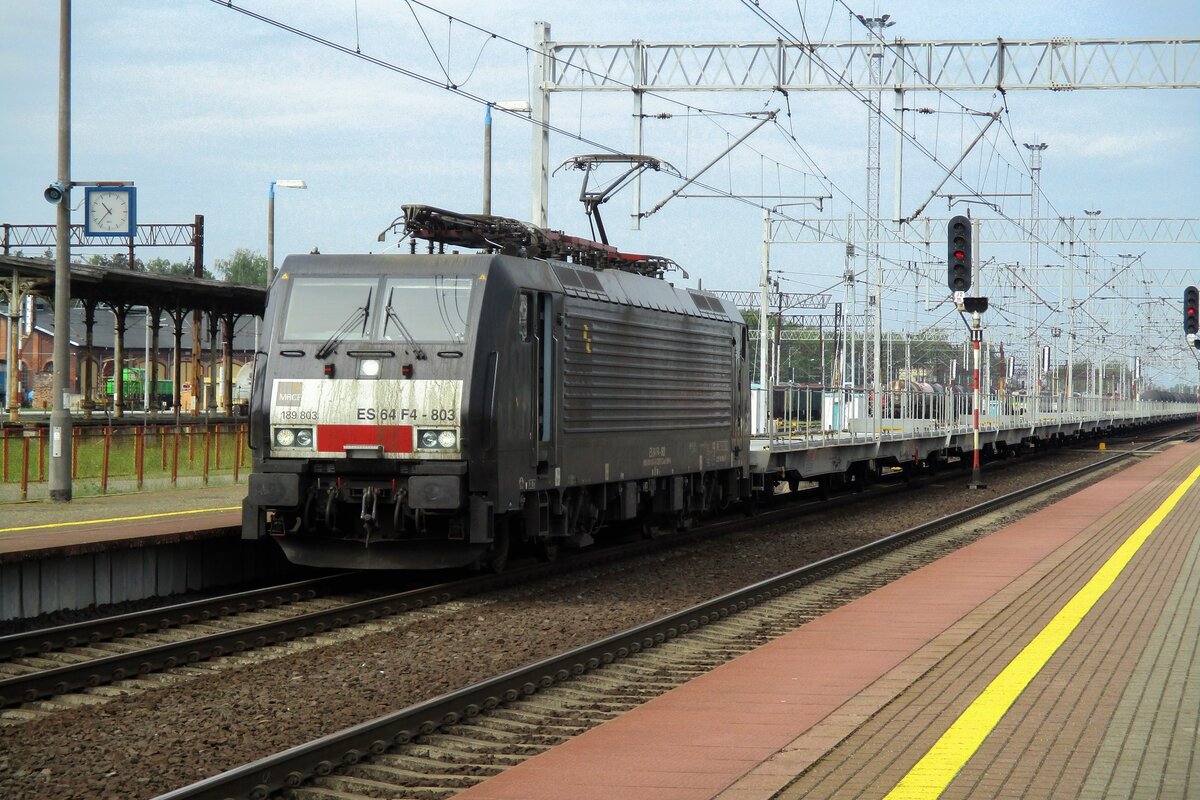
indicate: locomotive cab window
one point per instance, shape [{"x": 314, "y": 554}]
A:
[
  {"x": 434, "y": 308},
  {"x": 320, "y": 307}
]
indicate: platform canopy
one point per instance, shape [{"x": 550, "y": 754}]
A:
[{"x": 123, "y": 286}]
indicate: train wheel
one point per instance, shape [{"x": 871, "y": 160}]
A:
[
  {"x": 658, "y": 526},
  {"x": 496, "y": 559},
  {"x": 546, "y": 550}
]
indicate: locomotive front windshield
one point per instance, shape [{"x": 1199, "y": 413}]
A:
[
  {"x": 320, "y": 307},
  {"x": 426, "y": 309},
  {"x": 432, "y": 308}
]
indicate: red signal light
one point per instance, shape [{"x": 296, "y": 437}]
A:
[{"x": 959, "y": 254}]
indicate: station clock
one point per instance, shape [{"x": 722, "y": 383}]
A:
[{"x": 110, "y": 211}]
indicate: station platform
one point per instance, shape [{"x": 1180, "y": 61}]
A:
[
  {"x": 104, "y": 550},
  {"x": 43, "y": 529},
  {"x": 1057, "y": 657}
]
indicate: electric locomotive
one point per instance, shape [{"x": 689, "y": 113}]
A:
[{"x": 430, "y": 410}]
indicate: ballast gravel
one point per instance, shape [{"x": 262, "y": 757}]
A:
[{"x": 152, "y": 741}]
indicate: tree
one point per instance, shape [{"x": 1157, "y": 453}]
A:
[
  {"x": 184, "y": 269},
  {"x": 245, "y": 266},
  {"x": 115, "y": 261}
]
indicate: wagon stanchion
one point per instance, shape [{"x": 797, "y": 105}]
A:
[
  {"x": 41, "y": 455},
  {"x": 162, "y": 435},
  {"x": 217, "y": 440}
]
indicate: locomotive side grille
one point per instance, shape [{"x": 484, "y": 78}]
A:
[{"x": 627, "y": 369}]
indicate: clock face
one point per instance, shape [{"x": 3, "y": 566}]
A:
[{"x": 111, "y": 211}]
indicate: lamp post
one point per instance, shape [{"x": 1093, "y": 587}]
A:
[
  {"x": 282, "y": 184},
  {"x": 514, "y": 107},
  {"x": 60, "y": 416}
]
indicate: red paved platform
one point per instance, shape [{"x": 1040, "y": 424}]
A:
[{"x": 846, "y": 705}]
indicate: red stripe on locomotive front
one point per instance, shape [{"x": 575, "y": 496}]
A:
[{"x": 393, "y": 438}]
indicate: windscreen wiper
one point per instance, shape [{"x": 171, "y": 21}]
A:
[
  {"x": 393, "y": 317},
  {"x": 359, "y": 315}
]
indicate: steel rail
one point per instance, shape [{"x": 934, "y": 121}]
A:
[
  {"x": 46, "y": 640},
  {"x": 291, "y": 768}
]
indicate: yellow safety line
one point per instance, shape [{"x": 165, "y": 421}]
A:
[
  {"x": 117, "y": 519},
  {"x": 933, "y": 773}
]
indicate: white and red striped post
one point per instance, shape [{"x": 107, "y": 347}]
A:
[{"x": 976, "y": 339}]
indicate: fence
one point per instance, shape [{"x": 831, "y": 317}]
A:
[{"x": 108, "y": 459}]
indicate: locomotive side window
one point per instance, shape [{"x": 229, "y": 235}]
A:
[
  {"x": 318, "y": 307},
  {"x": 426, "y": 309}
]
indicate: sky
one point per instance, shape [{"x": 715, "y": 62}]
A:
[{"x": 202, "y": 107}]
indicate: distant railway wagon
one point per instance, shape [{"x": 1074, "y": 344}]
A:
[{"x": 133, "y": 385}]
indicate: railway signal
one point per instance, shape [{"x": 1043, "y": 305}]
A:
[
  {"x": 958, "y": 256},
  {"x": 1191, "y": 310}
]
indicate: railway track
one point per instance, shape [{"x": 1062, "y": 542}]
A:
[{"x": 438, "y": 747}]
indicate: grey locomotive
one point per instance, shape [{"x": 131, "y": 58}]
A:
[{"x": 433, "y": 410}]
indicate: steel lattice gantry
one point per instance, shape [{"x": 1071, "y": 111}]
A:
[
  {"x": 1108, "y": 230},
  {"x": 1054, "y": 64},
  {"x": 1049, "y": 64}
]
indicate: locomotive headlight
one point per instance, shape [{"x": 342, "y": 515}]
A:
[
  {"x": 368, "y": 368},
  {"x": 285, "y": 437},
  {"x": 437, "y": 439},
  {"x": 304, "y": 437}
]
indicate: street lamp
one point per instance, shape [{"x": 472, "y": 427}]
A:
[
  {"x": 282, "y": 184},
  {"x": 513, "y": 107}
]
